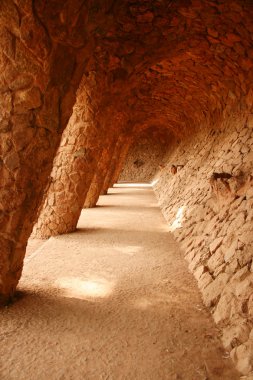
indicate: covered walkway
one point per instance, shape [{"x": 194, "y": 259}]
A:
[{"x": 112, "y": 301}]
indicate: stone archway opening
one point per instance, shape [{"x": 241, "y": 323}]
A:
[{"x": 146, "y": 156}]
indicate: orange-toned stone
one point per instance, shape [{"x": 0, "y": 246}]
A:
[
  {"x": 230, "y": 39},
  {"x": 246, "y": 63},
  {"x": 213, "y": 33},
  {"x": 145, "y": 17}
]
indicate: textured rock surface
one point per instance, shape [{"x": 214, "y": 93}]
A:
[
  {"x": 145, "y": 156},
  {"x": 209, "y": 206},
  {"x": 119, "y": 149},
  {"x": 103, "y": 177},
  {"x": 121, "y": 160},
  {"x": 74, "y": 165},
  {"x": 40, "y": 70},
  {"x": 99, "y": 176},
  {"x": 186, "y": 66}
]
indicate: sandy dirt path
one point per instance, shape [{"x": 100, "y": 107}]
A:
[{"x": 112, "y": 301}]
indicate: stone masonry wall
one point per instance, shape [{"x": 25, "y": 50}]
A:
[
  {"x": 144, "y": 157},
  {"x": 208, "y": 203}
]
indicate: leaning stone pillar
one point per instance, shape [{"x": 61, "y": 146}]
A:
[
  {"x": 73, "y": 170},
  {"x": 99, "y": 176},
  {"x": 110, "y": 169},
  {"x": 121, "y": 161},
  {"x": 119, "y": 147},
  {"x": 39, "y": 75}
]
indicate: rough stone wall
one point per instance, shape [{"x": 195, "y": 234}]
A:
[
  {"x": 145, "y": 156},
  {"x": 208, "y": 203}
]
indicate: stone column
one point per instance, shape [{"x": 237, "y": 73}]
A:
[
  {"x": 39, "y": 75},
  {"x": 99, "y": 176},
  {"x": 121, "y": 161},
  {"x": 113, "y": 164},
  {"x": 74, "y": 166}
]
